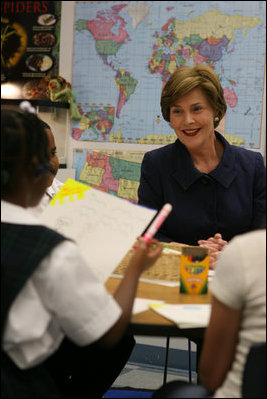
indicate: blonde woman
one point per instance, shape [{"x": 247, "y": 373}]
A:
[{"x": 217, "y": 190}]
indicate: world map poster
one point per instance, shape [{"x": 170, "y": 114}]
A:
[{"x": 125, "y": 52}]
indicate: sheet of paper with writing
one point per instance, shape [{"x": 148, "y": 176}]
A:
[{"x": 104, "y": 226}]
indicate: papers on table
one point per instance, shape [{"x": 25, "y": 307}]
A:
[
  {"x": 142, "y": 304},
  {"x": 185, "y": 316}
]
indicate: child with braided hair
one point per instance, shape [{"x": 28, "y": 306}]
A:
[{"x": 62, "y": 334}]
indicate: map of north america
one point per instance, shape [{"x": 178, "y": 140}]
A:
[{"x": 115, "y": 172}]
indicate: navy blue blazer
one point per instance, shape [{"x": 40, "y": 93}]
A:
[{"x": 229, "y": 200}]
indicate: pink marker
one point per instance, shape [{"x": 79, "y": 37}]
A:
[{"x": 155, "y": 225}]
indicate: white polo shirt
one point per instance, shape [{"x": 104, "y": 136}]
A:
[{"x": 62, "y": 298}]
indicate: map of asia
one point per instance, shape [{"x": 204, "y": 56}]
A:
[{"x": 124, "y": 53}]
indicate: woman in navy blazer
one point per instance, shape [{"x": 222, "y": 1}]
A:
[{"x": 217, "y": 190}]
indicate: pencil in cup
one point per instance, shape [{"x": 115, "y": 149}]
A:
[{"x": 155, "y": 225}]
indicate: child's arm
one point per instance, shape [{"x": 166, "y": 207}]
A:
[
  {"x": 221, "y": 337},
  {"x": 144, "y": 257}
]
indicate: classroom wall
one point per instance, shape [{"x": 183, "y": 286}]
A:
[{"x": 65, "y": 70}]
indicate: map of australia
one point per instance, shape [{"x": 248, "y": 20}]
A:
[{"x": 124, "y": 53}]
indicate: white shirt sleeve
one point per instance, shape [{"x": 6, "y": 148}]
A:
[
  {"x": 63, "y": 297},
  {"x": 228, "y": 283},
  {"x": 71, "y": 291}
]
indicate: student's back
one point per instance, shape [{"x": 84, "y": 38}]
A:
[{"x": 240, "y": 283}]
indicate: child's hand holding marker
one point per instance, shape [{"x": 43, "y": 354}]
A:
[
  {"x": 145, "y": 255},
  {"x": 148, "y": 249}
]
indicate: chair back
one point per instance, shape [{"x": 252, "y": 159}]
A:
[{"x": 254, "y": 376}]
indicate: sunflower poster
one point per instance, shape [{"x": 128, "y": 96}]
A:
[{"x": 30, "y": 39}]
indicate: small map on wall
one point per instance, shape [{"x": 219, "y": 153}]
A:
[
  {"x": 125, "y": 52},
  {"x": 112, "y": 171}
]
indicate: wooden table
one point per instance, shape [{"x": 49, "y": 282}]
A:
[
  {"x": 150, "y": 322},
  {"x": 153, "y": 324}
]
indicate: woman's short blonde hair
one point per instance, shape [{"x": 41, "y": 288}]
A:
[{"x": 187, "y": 78}]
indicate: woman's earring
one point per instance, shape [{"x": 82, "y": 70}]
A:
[{"x": 216, "y": 119}]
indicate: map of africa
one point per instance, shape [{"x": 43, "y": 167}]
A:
[
  {"x": 124, "y": 52},
  {"x": 112, "y": 171}
]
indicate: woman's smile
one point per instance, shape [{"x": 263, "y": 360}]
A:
[{"x": 191, "y": 132}]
